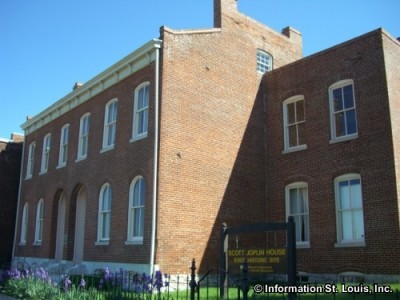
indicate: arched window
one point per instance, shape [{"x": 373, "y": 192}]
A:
[
  {"x": 83, "y": 142},
  {"x": 137, "y": 200},
  {"x": 297, "y": 206},
  {"x": 104, "y": 220},
  {"x": 342, "y": 106},
  {"x": 46, "y": 153},
  {"x": 264, "y": 62},
  {"x": 24, "y": 224},
  {"x": 110, "y": 124},
  {"x": 349, "y": 210},
  {"x": 294, "y": 123},
  {"x": 31, "y": 160},
  {"x": 39, "y": 222},
  {"x": 63, "y": 153},
  {"x": 141, "y": 111}
]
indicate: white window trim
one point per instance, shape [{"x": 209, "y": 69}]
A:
[
  {"x": 81, "y": 136},
  {"x": 24, "y": 225},
  {"x": 45, "y": 154},
  {"x": 268, "y": 68},
  {"x": 334, "y": 138},
  {"x": 31, "y": 160},
  {"x": 287, "y": 148},
  {"x": 105, "y": 146},
  {"x": 63, "y": 147},
  {"x": 340, "y": 243},
  {"x": 299, "y": 184},
  {"x": 100, "y": 239},
  {"x": 135, "y": 135},
  {"x": 131, "y": 240},
  {"x": 39, "y": 223}
]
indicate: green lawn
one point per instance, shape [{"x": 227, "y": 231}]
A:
[{"x": 349, "y": 293}]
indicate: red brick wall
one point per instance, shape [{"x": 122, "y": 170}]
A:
[
  {"x": 117, "y": 167},
  {"x": 212, "y": 134},
  {"x": 10, "y": 164},
  {"x": 371, "y": 155},
  {"x": 211, "y": 149},
  {"x": 392, "y": 63}
]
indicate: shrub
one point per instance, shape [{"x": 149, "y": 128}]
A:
[{"x": 23, "y": 284}]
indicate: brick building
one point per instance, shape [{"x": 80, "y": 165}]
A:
[
  {"x": 332, "y": 156},
  {"x": 10, "y": 165},
  {"x": 141, "y": 165},
  {"x": 119, "y": 171}
]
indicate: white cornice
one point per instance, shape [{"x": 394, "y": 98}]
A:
[{"x": 133, "y": 62}]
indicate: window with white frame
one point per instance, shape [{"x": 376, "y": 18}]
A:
[
  {"x": 63, "y": 153},
  {"x": 45, "y": 153},
  {"x": 24, "y": 224},
  {"x": 264, "y": 62},
  {"x": 31, "y": 160},
  {"x": 137, "y": 199},
  {"x": 297, "y": 207},
  {"x": 83, "y": 136},
  {"x": 39, "y": 222},
  {"x": 110, "y": 124},
  {"x": 349, "y": 210},
  {"x": 141, "y": 111},
  {"x": 104, "y": 220},
  {"x": 294, "y": 123},
  {"x": 342, "y": 110}
]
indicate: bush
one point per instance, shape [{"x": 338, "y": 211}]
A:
[
  {"x": 26, "y": 285},
  {"x": 38, "y": 285}
]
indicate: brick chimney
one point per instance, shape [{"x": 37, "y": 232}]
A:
[
  {"x": 17, "y": 138},
  {"x": 221, "y": 8}
]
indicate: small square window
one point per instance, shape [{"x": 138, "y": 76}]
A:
[{"x": 264, "y": 62}]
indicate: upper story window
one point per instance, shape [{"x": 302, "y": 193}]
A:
[
  {"x": 110, "y": 124},
  {"x": 294, "y": 123},
  {"x": 31, "y": 160},
  {"x": 297, "y": 206},
  {"x": 62, "y": 158},
  {"x": 141, "y": 111},
  {"x": 83, "y": 136},
  {"x": 39, "y": 222},
  {"x": 45, "y": 153},
  {"x": 104, "y": 219},
  {"x": 264, "y": 61},
  {"x": 349, "y": 210},
  {"x": 137, "y": 197},
  {"x": 342, "y": 111},
  {"x": 24, "y": 224}
]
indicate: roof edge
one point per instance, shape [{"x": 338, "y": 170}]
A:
[{"x": 130, "y": 64}]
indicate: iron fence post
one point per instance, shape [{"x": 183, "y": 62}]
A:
[
  {"x": 244, "y": 284},
  {"x": 222, "y": 261},
  {"x": 291, "y": 236},
  {"x": 192, "y": 282}
]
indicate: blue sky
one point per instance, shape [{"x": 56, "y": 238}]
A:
[{"x": 48, "y": 45}]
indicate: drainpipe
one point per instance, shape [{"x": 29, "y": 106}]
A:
[
  {"x": 19, "y": 199},
  {"x": 155, "y": 164}
]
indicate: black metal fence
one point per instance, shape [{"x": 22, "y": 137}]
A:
[{"x": 122, "y": 284}]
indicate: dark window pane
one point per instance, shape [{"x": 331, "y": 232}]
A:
[
  {"x": 348, "y": 96},
  {"x": 337, "y": 100},
  {"x": 302, "y": 133},
  {"x": 291, "y": 113},
  {"x": 300, "y": 111},
  {"x": 292, "y": 136},
  {"x": 340, "y": 124},
  {"x": 351, "y": 121}
]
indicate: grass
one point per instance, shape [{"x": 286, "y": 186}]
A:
[
  {"x": 212, "y": 293},
  {"x": 38, "y": 288}
]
